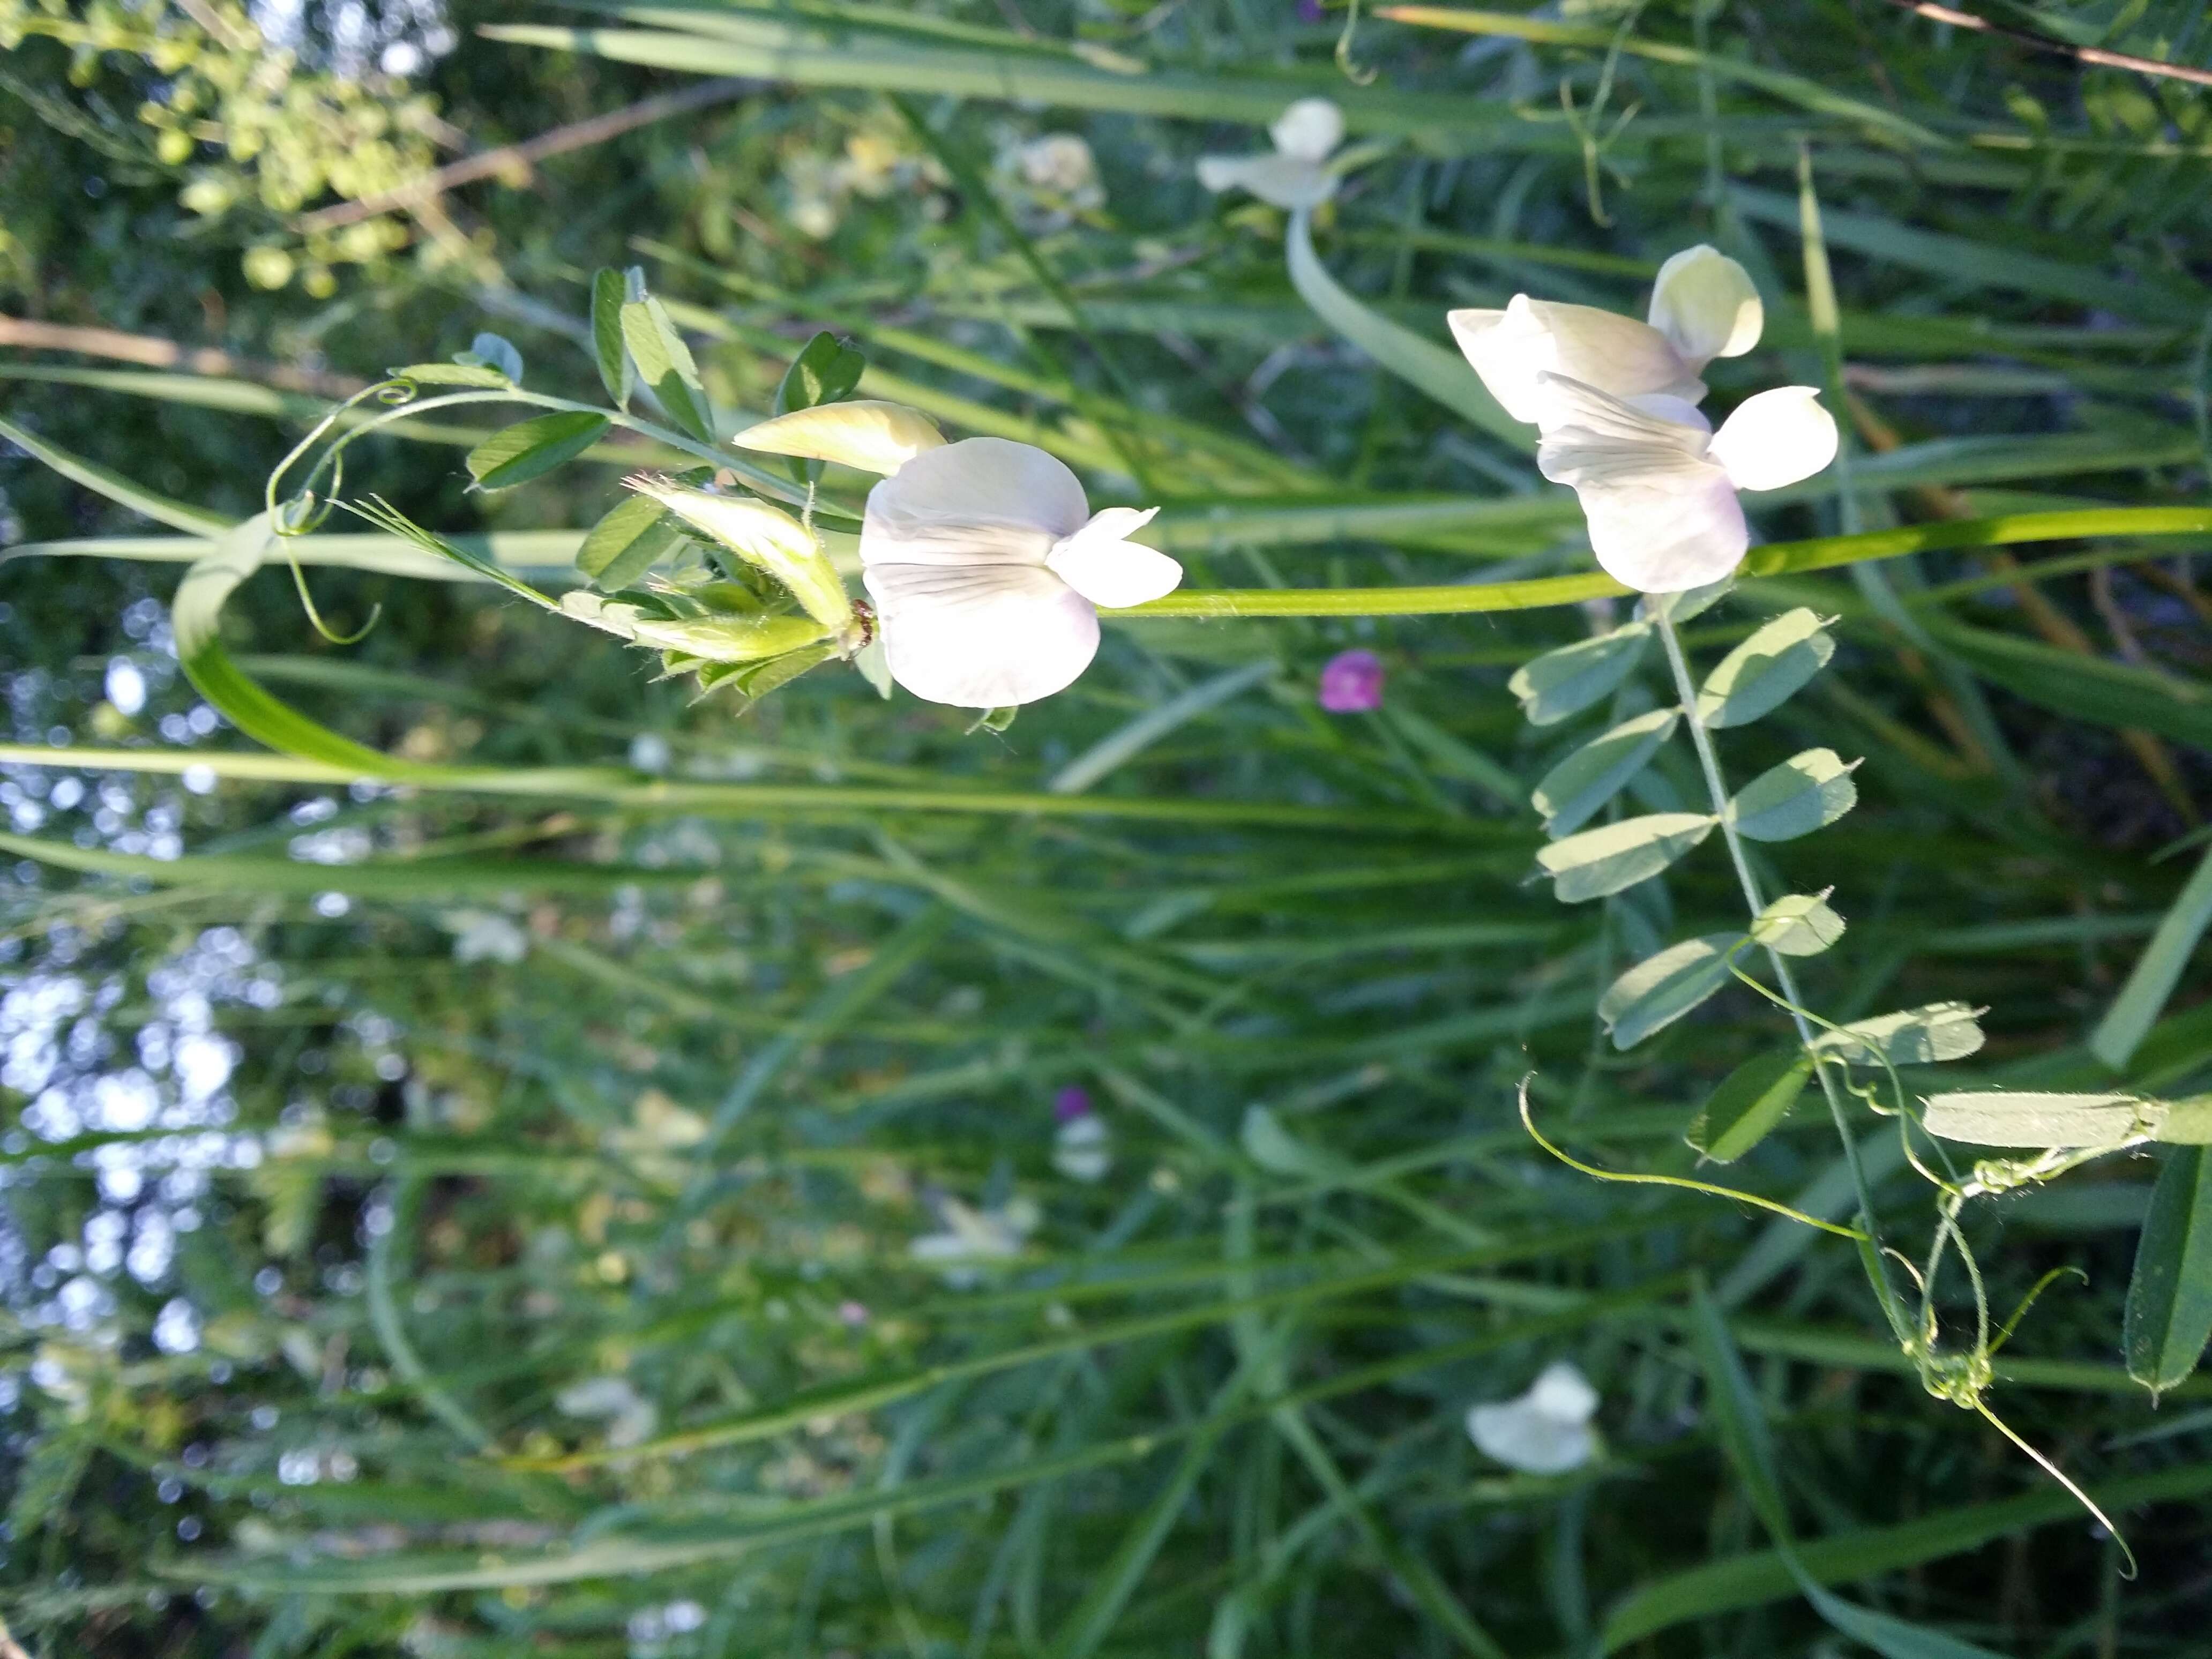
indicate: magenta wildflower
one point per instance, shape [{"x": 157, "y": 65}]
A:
[
  {"x": 1351, "y": 682},
  {"x": 1309, "y": 11},
  {"x": 1069, "y": 1103}
]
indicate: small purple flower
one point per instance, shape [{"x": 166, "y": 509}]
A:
[
  {"x": 1309, "y": 11},
  {"x": 853, "y": 1314},
  {"x": 1351, "y": 682},
  {"x": 1069, "y": 1103}
]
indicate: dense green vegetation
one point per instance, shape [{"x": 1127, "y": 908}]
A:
[{"x": 519, "y": 1146}]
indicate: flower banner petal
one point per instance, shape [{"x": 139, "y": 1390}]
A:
[{"x": 1703, "y": 302}]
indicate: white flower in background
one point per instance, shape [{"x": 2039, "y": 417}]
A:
[
  {"x": 971, "y": 1238},
  {"x": 486, "y": 936},
  {"x": 986, "y": 567},
  {"x": 1546, "y": 1431},
  {"x": 1703, "y": 307},
  {"x": 631, "y": 1417},
  {"x": 1083, "y": 1148},
  {"x": 1658, "y": 485},
  {"x": 1060, "y": 168},
  {"x": 1297, "y": 175}
]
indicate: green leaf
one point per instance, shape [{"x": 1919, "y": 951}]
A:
[
  {"x": 1661, "y": 989},
  {"x": 1798, "y": 925},
  {"x": 1437, "y": 370},
  {"x": 1574, "y": 790},
  {"x": 481, "y": 374},
  {"x": 609, "y": 293},
  {"x": 718, "y": 638},
  {"x": 1617, "y": 855},
  {"x": 1766, "y": 669},
  {"x": 2114, "y": 694},
  {"x": 627, "y": 542},
  {"x": 178, "y": 515},
  {"x": 529, "y": 449},
  {"x": 2169, "y": 1317},
  {"x": 1912, "y": 1036},
  {"x": 2185, "y": 1122},
  {"x": 1750, "y": 1101},
  {"x": 663, "y": 363},
  {"x": 2006, "y": 1117},
  {"x": 825, "y": 371},
  {"x": 1570, "y": 679},
  {"x": 2156, "y": 972},
  {"x": 1806, "y": 793}
]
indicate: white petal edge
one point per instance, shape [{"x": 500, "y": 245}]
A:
[
  {"x": 1282, "y": 181},
  {"x": 1703, "y": 302},
  {"x": 1511, "y": 349},
  {"x": 1519, "y": 1435},
  {"x": 982, "y": 635},
  {"x": 1309, "y": 129},
  {"x": 1562, "y": 1392},
  {"x": 1776, "y": 438},
  {"x": 1667, "y": 537},
  {"x": 866, "y": 432},
  {"x": 1101, "y": 563},
  {"x": 924, "y": 510}
]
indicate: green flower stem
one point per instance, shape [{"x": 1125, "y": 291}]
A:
[
  {"x": 1717, "y": 789},
  {"x": 1776, "y": 559}
]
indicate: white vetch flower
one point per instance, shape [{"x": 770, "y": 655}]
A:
[
  {"x": 1658, "y": 485},
  {"x": 1545, "y": 1431},
  {"x": 1703, "y": 307},
  {"x": 1297, "y": 175},
  {"x": 987, "y": 565},
  {"x": 971, "y": 1237},
  {"x": 1083, "y": 1148},
  {"x": 486, "y": 936},
  {"x": 629, "y": 1416}
]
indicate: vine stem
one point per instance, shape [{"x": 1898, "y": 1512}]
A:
[{"x": 1716, "y": 788}]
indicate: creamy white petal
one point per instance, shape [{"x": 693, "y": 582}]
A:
[
  {"x": 1776, "y": 438},
  {"x": 982, "y": 635},
  {"x": 991, "y": 483},
  {"x": 1509, "y": 348},
  {"x": 1309, "y": 129},
  {"x": 1667, "y": 537},
  {"x": 1563, "y": 1392},
  {"x": 1083, "y": 1149},
  {"x": 866, "y": 432},
  {"x": 1283, "y": 181},
  {"x": 1592, "y": 437},
  {"x": 1101, "y": 563},
  {"x": 1522, "y": 1438},
  {"x": 1703, "y": 302}
]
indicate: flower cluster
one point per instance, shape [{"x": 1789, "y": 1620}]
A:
[{"x": 1615, "y": 401}]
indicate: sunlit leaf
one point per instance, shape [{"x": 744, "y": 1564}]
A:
[
  {"x": 1604, "y": 860},
  {"x": 1803, "y": 793},
  {"x": 1661, "y": 989},
  {"x": 2169, "y": 1312},
  {"x": 1570, "y": 679},
  {"x": 1912, "y": 1036},
  {"x": 1750, "y": 1101},
  {"x": 1763, "y": 673},
  {"x": 1579, "y": 786},
  {"x": 529, "y": 449}
]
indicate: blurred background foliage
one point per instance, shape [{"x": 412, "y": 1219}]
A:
[{"x": 482, "y": 1221}]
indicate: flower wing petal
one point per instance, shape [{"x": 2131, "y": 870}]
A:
[
  {"x": 1309, "y": 129},
  {"x": 1776, "y": 438},
  {"x": 1512, "y": 348},
  {"x": 1283, "y": 181},
  {"x": 1101, "y": 563},
  {"x": 1703, "y": 302},
  {"x": 982, "y": 635},
  {"x": 1666, "y": 536},
  {"x": 1519, "y": 1435}
]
